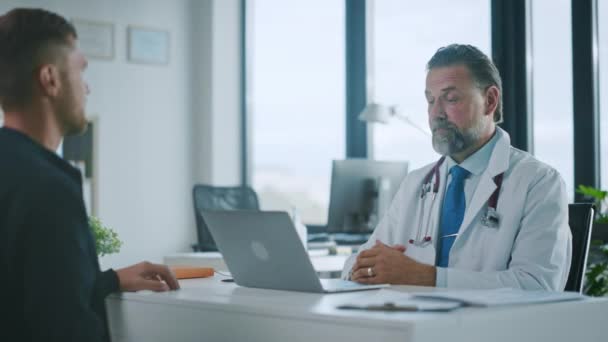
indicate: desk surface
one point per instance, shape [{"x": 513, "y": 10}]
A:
[
  {"x": 211, "y": 310},
  {"x": 323, "y": 264}
]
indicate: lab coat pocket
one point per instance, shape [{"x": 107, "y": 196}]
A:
[
  {"x": 486, "y": 238},
  {"x": 422, "y": 254}
]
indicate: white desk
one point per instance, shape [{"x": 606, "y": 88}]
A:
[
  {"x": 210, "y": 310},
  {"x": 327, "y": 266}
]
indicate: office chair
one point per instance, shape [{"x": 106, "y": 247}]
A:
[
  {"x": 208, "y": 197},
  {"x": 580, "y": 221}
]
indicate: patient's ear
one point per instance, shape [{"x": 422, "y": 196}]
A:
[{"x": 48, "y": 80}]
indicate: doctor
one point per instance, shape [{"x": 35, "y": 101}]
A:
[{"x": 485, "y": 215}]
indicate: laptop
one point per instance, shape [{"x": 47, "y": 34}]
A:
[{"x": 263, "y": 250}]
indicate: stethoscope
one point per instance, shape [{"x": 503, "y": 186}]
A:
[{"x": 490, "y": 219}]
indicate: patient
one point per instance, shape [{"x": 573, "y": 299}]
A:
[{"x": 52, "y": 288}]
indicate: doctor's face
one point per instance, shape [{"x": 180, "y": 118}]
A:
[{"x": 456, "y": 107}]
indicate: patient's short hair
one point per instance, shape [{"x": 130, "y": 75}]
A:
[{"x": 28, "y": 39}]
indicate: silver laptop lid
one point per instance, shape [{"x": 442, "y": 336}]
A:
[{"x": 262, "y": 249}]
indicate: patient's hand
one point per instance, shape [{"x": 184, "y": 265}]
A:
[{"x": 147, "y": 276}]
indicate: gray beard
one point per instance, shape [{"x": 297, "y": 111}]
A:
[{"x": 454, "y": 141}]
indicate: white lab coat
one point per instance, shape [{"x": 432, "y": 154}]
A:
[{"x": 531, "y": 248}]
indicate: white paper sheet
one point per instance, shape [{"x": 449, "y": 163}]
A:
[
  {"x": 391, "y": 300},
  {"x": 503, "y": 296}
]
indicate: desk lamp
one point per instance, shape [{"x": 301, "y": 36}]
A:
[{"x": 377, "y": 113}]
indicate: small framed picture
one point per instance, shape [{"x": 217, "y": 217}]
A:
[
  {"x": 148, "y": 45},
  {"x": 95, "y": 39}
]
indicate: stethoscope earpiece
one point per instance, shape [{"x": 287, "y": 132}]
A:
[{"x": 424, "y": 241}]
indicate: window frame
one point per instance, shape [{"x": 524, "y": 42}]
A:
[{"x": 512, "y": 52}]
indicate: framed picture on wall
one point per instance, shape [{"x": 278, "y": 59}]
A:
[
  {"x": 95, "y": 39},
  {"x": 148, "y": 45}
]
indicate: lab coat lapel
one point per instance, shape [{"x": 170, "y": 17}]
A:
[
  {"x": 427, "y": 254},
  {"x": 436, "y": 214},
  {"x": 499, "y": 163},
  {"x": 484, "y": 190}
]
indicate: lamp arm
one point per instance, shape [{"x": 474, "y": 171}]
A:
[{"x": 412, "y": 123}]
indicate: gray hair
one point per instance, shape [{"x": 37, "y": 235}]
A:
[{"x": 482, "y": 69}]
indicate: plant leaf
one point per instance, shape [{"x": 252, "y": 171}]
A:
[{"x": 597, "y": 194}]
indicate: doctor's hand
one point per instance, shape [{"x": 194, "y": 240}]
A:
[
  {"x": 147, "y": 276},
  {"x": 383, "y": 264}
]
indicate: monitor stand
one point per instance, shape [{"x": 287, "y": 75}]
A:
[
  {"x": 340, "y": 239},
  {"x": 350, "y": 238}
]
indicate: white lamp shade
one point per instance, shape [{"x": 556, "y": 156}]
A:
[{"x": 375, "y": 112}]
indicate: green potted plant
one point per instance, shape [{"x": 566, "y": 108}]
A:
[
  {"x": 596, "y": 277},
  {"x": 106, "y": 239}
]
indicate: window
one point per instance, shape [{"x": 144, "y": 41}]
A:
[
  {"x": 552, "y": 87},
  {"x": 602, "y": 15},
  {"x": 296, "y": 102},
  {"x": 405, "y": 36}
]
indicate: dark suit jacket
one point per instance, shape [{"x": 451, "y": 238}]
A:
[{"x": 51, "y": 287}]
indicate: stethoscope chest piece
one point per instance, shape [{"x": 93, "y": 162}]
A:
[{"x": 491, "y": 219}]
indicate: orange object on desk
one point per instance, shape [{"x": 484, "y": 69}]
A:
[{"x": 187, "y": 272}]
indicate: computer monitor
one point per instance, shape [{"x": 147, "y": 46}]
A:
[{"x": 361, "y": 190}]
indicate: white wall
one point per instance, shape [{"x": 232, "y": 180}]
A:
[
  {"x": 161, "y": 128},
  {"x": 216, "y": 29},
  {"x": 225, "y": 111}
]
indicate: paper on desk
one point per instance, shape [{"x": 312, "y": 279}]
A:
[
  {"x": 391, "y": 300},
  {"x": 502, "y": 296}
]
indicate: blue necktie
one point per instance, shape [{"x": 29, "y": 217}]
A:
[{"x": 452, "y": 213}]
